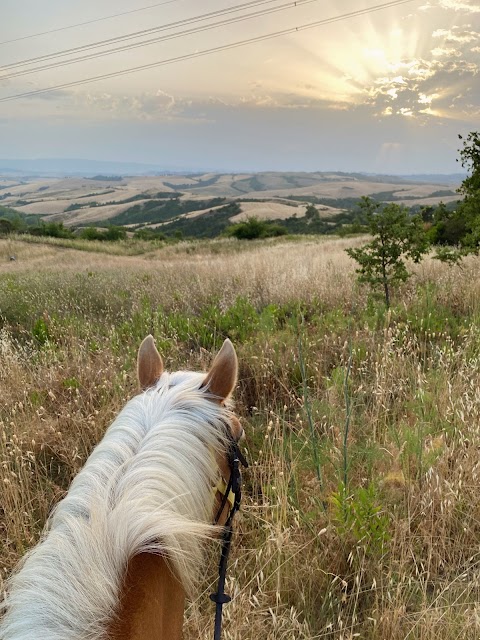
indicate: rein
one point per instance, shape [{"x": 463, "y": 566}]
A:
[{"x": 232, "y": 493}]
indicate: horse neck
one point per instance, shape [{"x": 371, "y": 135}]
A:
[{"x": 151, "y": 602}]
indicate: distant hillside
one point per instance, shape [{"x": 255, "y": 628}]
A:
[
  {"x": 441, "y": 178},
  {"x": 108, "y": 197},
  {"x": 59, "y": 167},
  {"x": 63, "y": 167}
]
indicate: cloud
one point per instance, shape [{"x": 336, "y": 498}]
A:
[
  {"x": 446, "y": 51},
  {"x": 446, "y": 83},
  {"x": 162, "y": 106},
  {"x": 427, "y": 88},
  {"x": 460, "y": 5},
  {"x": 465, "y": 6},
  {"x": 52, "y": 96},
  {"x": 155, "y": 105},
  {"x": 456, "y": 35}
]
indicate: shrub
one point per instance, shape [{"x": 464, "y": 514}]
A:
[
  {"x": 111, "y": 234},
  {"x": 253, "y": 229},
  {"x": 51, "y": 229}
]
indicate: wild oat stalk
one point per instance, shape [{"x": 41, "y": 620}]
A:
[
  {"x": 308, "y": 410},
  {"x": 348, "y": 415}
]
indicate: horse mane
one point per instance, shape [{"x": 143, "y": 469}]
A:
[{"x": 147, "y": 487}]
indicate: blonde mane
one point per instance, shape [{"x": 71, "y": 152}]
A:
[{"x": 147, "y": 487}]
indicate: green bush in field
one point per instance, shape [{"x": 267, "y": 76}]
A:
[
  {"x": 40, "y": 331},
  {"x": 111, "y": 234},
  {"x": 51, "y": 229},
  {"x": 253, "y": 229},
  {"x": 149, "y": 234},
  {"x": 360, "y": 515}
]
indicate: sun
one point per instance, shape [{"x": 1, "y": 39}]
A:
[{"x": 389, "y": 64}]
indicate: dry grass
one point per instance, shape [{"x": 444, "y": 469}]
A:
[
  {"x": 394, "y": 553},
  {"x": 270, "y": 211}
]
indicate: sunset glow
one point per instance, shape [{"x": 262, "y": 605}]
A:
[{"x": 413, "y": 68}]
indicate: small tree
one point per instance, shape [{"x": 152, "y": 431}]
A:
[{"x": 397, "y": 236}]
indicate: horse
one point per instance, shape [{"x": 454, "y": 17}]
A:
[{"x": 125, "y": 546}]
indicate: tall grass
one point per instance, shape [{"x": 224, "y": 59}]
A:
[{"x": 385, "y": 405}]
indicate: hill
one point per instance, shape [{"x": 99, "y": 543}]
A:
[{"x": 153, "y": 200}]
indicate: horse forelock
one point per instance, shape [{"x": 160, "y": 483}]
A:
[{"x": 145, "y": 488}]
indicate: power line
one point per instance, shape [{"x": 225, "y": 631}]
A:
[
  {"x": 205, "y": 52},
  {"x": 289, "y": 5},
  {"x": 82, "y": 24},
  {"x": 137, "y": 34}
]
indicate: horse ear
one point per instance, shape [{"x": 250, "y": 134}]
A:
[
  {"x": 222, "y": 377},
  {"x": 149, "y": 363}
]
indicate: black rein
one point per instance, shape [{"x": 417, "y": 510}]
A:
[{"x": 235, "y": 458}]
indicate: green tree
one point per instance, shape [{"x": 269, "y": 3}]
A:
[
  {"x": 397, "y": 236},
  {"x": 470, "y": 160},
  {"x": 460, "y": 229},
  {"x": 448, "y": 228},
  {"x": 311, "y": 213},
  {"x": 6, "y": 226},
  {"x": 17, "y": 221},
  {"x": 469, "y": 208}
]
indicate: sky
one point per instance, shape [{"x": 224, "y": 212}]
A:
[{"x": 384, "y": 92}]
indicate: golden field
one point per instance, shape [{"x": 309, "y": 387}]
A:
[{"x": 361, "y": 516}]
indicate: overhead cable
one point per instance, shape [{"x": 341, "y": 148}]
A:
[
  {"x": 92, "y": 56},
  {"x": 82, "y": 24},
  {"x": 205, "y": 52},
  {"x": 138, "y": 34}
]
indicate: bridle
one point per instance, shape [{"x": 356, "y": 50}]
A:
[{"x": 231, "y": 492}]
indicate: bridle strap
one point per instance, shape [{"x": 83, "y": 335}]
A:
[
  {"x": 220, "y": 597},
  {"x": 228, "y": 488}
]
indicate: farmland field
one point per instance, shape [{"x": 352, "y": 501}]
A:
[
  {"x": 81, "y": 201},
  {"x": 361, "y": 516}
]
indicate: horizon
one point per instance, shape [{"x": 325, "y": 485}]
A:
[
  {"x": 387, "y": 92},
  {"x": 99, "y": 165}
]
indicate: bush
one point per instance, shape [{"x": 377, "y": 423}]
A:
[
  {"x": 6, "y": 226},
  {"x": 253, "y": 229},
  {"x": 51, "y": 229},
  {"x": 149, "y": 234},
  {"x": 111, "y": 234}
]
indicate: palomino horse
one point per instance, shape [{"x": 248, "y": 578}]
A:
[{"x": 125, "y": 545}]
